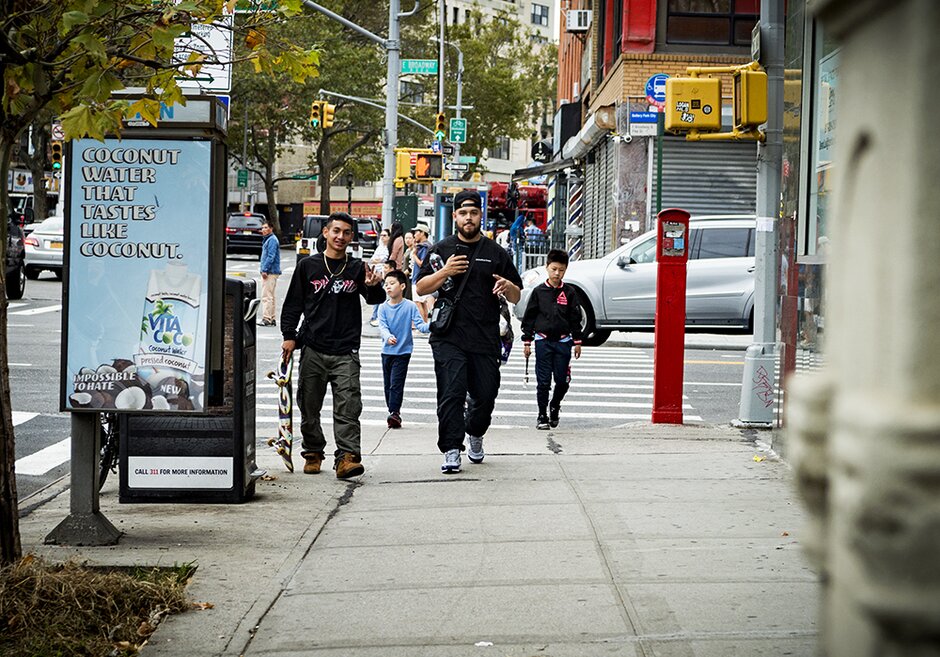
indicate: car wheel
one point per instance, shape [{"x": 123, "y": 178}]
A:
[
  {"x": 16, "y": 283},
  {"x": 590, "y": 335},
  {"x": 32, "y": 273}
]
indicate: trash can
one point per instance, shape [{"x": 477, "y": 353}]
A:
[{"x": 201, "y": 458}]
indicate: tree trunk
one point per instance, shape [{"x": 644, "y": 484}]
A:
[
  {"x": 10, "y": 548},
  {"x": 273, "y": 214},
  {"x": 325, "y": 170},
  {"x": 37, "y": 166}
]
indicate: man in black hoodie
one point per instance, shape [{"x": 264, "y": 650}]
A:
[
  {"x": 553, "y": 320},
  {"x": 325, "y": 289}
]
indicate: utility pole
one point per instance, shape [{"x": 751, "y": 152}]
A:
[
  {"x": 758, "y": 390},
  {"x": 392, "y": 46},
  {"x": 241, "y": 191},
  {"x": 459, "y": 104},
  {"x": 440, "y": 58}
]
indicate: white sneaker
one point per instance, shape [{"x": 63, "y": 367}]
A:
[
  {"x": 475, "y": 450},
  {"x": 451, "y": 462}
]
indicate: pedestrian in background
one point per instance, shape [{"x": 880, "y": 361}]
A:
[
  {"x": 396, "y": 245},
  {"x": 377, "y": 262},
  {"x": 553, "y": 320},
  {"x": 270, "y": 270},
  {"x": 476, "y": 272},
  {"x": 421, "y": 233},
  {"x": 325, "y": 289},
  {"x": 396, "y": 317}
]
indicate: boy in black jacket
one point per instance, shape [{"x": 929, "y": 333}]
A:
[
  {"x": 325, "y": 289},
  {"x": 553, "y": 320}
]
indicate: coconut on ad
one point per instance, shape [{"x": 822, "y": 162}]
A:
[{"x": 138, "y": 241}]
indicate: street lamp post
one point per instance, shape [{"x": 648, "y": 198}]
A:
[
  {"x": 349, "y": 188},
  {"x": 459, "y": 87}
]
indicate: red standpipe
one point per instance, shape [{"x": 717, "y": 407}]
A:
[{"x": 672, "y": 254}]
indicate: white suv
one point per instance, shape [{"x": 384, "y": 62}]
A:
[{"x": 618, "y": 291}]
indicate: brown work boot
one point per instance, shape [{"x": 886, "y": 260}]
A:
[
  {"x": 312, "y": 462},
  {"x": 348, "y": 465}
]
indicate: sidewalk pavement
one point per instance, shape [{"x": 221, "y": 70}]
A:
[{"x": 646, "y": 540}]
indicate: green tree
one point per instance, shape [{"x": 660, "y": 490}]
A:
[
  {"x": 67, "y": 58},
  {"x": 508, "y": 79}
]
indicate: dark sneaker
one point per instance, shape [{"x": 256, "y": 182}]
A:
[
  {"x": 348, "y": 465},
  {"x": 553, "y": 416},
  {"x": 312, "y": 462},
  {"x": 451, "y": 461},
  {"x": 475, "y": 450},
  {"x": 394, "y": 421},
  {"x": 542, "y": 422},
  {"x": 267, "y": 322}
]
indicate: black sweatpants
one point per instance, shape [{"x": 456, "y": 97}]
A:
[
  {"x": 467, "y": 385},
  {"x": 552, "y": 360}
]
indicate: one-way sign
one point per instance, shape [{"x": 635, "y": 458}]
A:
[{"x": 457, "y": 166}]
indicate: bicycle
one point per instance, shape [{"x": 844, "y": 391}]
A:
[{"x": 110, "y": 447}]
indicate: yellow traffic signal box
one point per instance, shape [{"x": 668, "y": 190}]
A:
[
  {"x": 56, "y": 148},
  {"x": 403, "y": 165},
  {"x": 693, "y": 104},
  {"x": 749, "y": 98},
  {"x": 440, "y": 125},
  {"x": 315, "y": 114},
  {"x": 328, "y": 112}
]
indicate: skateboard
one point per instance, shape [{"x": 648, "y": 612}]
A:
[{"x": 285, "y": 411}]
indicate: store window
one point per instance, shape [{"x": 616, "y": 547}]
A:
[
  {"x": 711, "y": 22},
  {"x": 539, "y": 14},
  {"x": 823, "y": 131}
]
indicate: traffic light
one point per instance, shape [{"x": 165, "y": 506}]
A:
[
  {"x": 440, "y": 125},
  {"x": 328, "y": 111},
  {"x": 56, "y": 155},
  {"x": 693, "y": 104},
  {"x": 429, "y": 166},
  {"x": 402, "y": 165},
  {"x": 315, "y": 111},
  {"x": 749, "y": 98}
]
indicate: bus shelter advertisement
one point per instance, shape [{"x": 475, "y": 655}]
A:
[{"x": 138, "y": 246}]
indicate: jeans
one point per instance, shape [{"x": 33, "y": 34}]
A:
[
  {"x": 467, "y": 384},
  {"x": 394, "y": 371},
  {"x": 342, "y": 373},
  {"x": 552, "y": 359}
]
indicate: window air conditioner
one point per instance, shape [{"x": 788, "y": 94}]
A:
[{"x": 578, "y": 20}]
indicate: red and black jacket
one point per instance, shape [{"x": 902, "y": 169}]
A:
[{"x": 553, "y": 312}]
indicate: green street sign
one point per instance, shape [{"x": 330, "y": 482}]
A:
[
  {"x": 419, "y": 66},
  {"x": 242, "y": 178},
  {"x": 467, "y": 159},
  {"x": 458, "y": 131},
  {"x": 304, "y": 176}
]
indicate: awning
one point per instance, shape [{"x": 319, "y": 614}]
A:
[{"x": 542, "y": 169}]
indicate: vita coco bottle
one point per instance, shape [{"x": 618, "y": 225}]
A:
[{"x": 171, "y": 317}]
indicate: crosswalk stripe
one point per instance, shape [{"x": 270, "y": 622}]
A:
[
  {"x": 19, "y": 417},
  {"x": 499, "y": 411},
  {"x": 41, "y": 462},
  {"x": 326, "y": 419},
  {"x": 37, "y": 311}
]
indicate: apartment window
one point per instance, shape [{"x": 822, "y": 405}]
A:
[
  {"x": 501, "y": 150},
  {"x": 456, "y": 15},
  {"x": 539, "y": 14},
  {"x": 711, "y": 22}
]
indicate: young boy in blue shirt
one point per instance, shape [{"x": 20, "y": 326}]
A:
[{"x": 396, "y": 316}]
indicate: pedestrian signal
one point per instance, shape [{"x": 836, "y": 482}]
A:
[
  {"x": 56, "y": 155},
  {"x": 315, "y": 114},
  {"x": 328, "y": 112},
  {"x": 749, "y": 98},
  {"x": 440, "y": 125},
  {"x": 693, "y": 104},
  {"x": 403, "y": 165},
  {"x": 429, "y": 166}
]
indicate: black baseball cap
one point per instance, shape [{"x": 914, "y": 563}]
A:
[{"x": 467, "y": 198}]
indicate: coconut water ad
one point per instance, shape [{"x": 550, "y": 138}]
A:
[{"x": 138, "y": 240}]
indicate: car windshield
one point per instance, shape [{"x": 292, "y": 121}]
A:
[
  {"x": 51, "y": 225},
  {"x": 241, "y": 221}
]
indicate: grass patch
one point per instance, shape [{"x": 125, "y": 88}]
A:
[{"x": 69, "y": 610}]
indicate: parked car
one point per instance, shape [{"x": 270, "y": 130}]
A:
[
  {"x": 369, "y": 231},
  {"x": 243, "y": 233},
  {"x": 44, "y": 248},
  {"x": 312, "y": 229},
  {"x": 15, "y": 262},
  {"x": 618, "y": 291}
]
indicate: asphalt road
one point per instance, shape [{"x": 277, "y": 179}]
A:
[{"x": 611, "y": 385}]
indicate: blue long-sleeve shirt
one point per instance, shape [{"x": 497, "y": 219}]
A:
[
  {"x": 271, "y": 255},
  {"x": 396, "y": 320}
]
